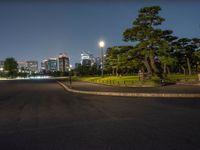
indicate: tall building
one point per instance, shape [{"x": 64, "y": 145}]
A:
[
  {"x": 32, "y": 66},
  {"x": 22, "y": 66},
  {"x": 87, "y": 59},
  {"x": 52, "y": 64},
  {"x": 44, "y": 65},
  {"x": 86, "y": 62},
  {"x": 63, "y": 62},
  {"x": 1, "y": 65}
]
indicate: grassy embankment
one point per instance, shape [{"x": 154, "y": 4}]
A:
[{"x": 131, "y": 81}]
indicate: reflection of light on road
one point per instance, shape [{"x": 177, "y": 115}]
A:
[
  {"x": 39, "y": 77},
  {"x": 34, "y": 78}
]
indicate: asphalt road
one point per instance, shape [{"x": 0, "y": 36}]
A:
[{"x": 40, "y": 115}]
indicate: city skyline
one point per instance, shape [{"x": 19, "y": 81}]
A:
[{"x": 34, "y": 31}]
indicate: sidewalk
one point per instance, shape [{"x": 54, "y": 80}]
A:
[{"x": 179, "y": 88}]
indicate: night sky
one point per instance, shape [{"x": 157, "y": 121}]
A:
[{"x": 42, "y": 29}]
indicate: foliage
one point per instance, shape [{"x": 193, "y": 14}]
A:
[
  {"x": 155, "y": 51},
  {"x": 10, "y": 66},
  {"x": 119, "y": 60},
  {"x": 152, "y": 41},
  {"x": 83, "y": 70}
]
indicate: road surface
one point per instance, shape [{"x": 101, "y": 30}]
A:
[{"x": 40, "y": 115}]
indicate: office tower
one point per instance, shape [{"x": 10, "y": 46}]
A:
[{"x": 63, "y": 62}]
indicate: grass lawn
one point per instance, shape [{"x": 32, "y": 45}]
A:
[
  {"x": 128, "y": 81},
  {"x": 132, "y": 81},
  {"x": 182, "y": 78}
]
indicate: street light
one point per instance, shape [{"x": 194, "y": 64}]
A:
[
  {"x": 70, "y": 76},
  {"x": 101, "y": 45}
]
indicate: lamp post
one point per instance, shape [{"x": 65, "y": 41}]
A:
[
  {"x": 70, "y": 76},
  {"x": 101, "y": 45}
]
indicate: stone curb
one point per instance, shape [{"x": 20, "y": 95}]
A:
[
  {"x": 188, "y": 84},
  {"x": 174, "y": 95},
  {"x": 121, "y": 86}
]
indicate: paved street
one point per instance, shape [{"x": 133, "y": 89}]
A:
[{"x": 41, "y": 115}]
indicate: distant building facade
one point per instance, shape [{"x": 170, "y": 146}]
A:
[
  {"x": 22, "y": 66},
  {"x": 87, "y": 59},
  {"x": 60, "y": 63},
  {"x": 63, "y": 62},
  {"x": 52, "y": 65},
  {"x": 44, "y": 66},
  {"x": 32, "y": 66},
  {"x": 1, "y": 65},
  {"x": 86, "y": 62}
]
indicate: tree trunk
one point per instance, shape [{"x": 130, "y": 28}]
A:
[
  {"x": 183, "y": 69},
  {"x": 165, "y": 68},
  {"x": 189, "y": 66},
  {"x": 146, "y": 63},
  {"x": 117, "y": 71},
  {"x": 168, "y": 71},
  {"x": 153, "y": 65},
  {"x": 113, "y": 71}
]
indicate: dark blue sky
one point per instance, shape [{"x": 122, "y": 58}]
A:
[{"x": 38, "y": 30}]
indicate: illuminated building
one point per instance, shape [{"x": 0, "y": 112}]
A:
[
  {"x": 52, "y": 65},
  {"x": 1, "y": 65},
  {"x": 87, "y": 59},
  {"x": 22, "y": 66},
  {"x": 32, "y": 66},
  {"x": 63, "y": 62},
  {"x": 44, "y": 66}
]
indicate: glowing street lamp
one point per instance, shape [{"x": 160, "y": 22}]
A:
[{"x": 101, "y": 45}]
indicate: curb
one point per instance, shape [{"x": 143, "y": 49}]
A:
[
  {"x": 174, "y": 95},
  {"x": 187, "y": 84},
  {"x": 120, "y": 86}
]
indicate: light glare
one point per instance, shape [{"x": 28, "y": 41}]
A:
[{"x": 101, "y": 44}]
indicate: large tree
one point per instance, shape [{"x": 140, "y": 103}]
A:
[
  {"x": 165, "y": 53},
  {"x": 185, "y": 52},
  {"x": 111, "y": 60},
  {"x": 10, "y": 66},
  {"x": 149, "y": 38},
  {"x": 196, "y": 54}
]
